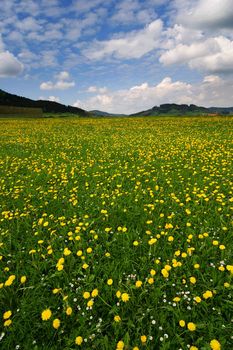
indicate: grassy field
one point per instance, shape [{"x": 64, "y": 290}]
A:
[{"x": 116, "y": 234}]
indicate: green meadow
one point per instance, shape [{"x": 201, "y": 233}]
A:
[{"x": 116, "y": 233}]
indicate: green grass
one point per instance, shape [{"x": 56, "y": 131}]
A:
[{"x": 144, "y": 194}]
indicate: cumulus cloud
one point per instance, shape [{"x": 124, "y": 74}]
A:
[
  {"x": 10, "y": 66},
  {"x": 50, "y": 98},
  {"x": 63, "y": 82},
  {"x": 139, "y": 97},
  {"x": 132, "y": 45},
  {"x": 207, "y": 14},
  {"x": 211, "y": 91},
  {"x": 94, "y": 89},
  {"x": 214, "y": 55}
]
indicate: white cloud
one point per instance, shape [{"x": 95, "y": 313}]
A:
[
  {"x": 209, "y": 14},
  {"x": 28, "y": 24},
  {"x": 139, "y": 97},
  {"x": 63, "y": 75},
  {"x": 59, "y": 85},
  {"x": 212, "y": 91},
  {"x": 94, "y": 89},
  {"x": 10, "y": 66},
  {"x": 63, "y": 82},
  {"x": 212, "y": 55},
  {"x": 50, "y": 98},
  {"x": 132, "y": 45}
]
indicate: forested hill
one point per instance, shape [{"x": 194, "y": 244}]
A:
[
  {"x": 7, "y": 99},
  {"x": 183, "y": 109}
]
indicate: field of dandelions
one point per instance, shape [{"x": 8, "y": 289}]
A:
[{"x": 116, "y": 234}]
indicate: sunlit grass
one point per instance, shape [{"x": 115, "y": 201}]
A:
[{"x": 116, "y": 234}]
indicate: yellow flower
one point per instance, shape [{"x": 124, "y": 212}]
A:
[
  {"x": 94, "y": 293},
  {"x": 120, "y": 345},
  {"x": 135, "y": 348},
  {"x": 56, "y": 323},
  {"x": 135, "y": 243},
  {"x": 207, "y": 294},
  {"x": 89, "y": 250},
  {"x": 230, "y": 268},
  {"x": 170, "y": 239},
  {"x": 125, "y": 297},
  {"x": 69, "y": 311},
  {"x": 196, "y": 266},
  {"x": 215, "y": 242},
  {"x": 176, "y": 299},
  {"x": 85, "y": 266},
  {"x": 109, "y": 282},
  {"x": 7, "y": 315},
  {"x": 191, "y": 326},
  {"x": 117, "y": 318},
  {"x": 138, "y": 284},
  {"x": 152, "y": 272},
  {"x": 152, "y": 241},
  {"x": 222, "y": 247},
  {"x": 226, "y": 285},
  {"x": 79, "y": 253},
  {"x": 182, "y": 323},
  {"x": 78, "y": 340},
  {"x": 215, "y": 345},
  {"x": 143, "y": 338},
  {"x": 46, "y": 314},
  {"x": 10, "y": 280},
  {"x": 23, "y": 279},
  {"x": 165, "y": 273},
  {"x": 86, "y": 295},
  {"x": 90, "y": 303},
  {"x": 60, "y": 267},
  {"x": 197, "y": 299},
  {"x": 118, "y": 294},
  {"x": 193, "y": 280},
  {"x": 193, "y": 348},
  {"x": 151, "y": 280},
  {"x": 56, "y": 290},
  {"x": 7, "y": 323},
  {"x": 168, "y": 226}
]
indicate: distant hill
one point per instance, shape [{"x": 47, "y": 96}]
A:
[
  {"x": 7, "y": 99},
  {"x": 221, "y": 110},
  {"x": 105, "y": 114},
  {"x": 174, "y": 109}
]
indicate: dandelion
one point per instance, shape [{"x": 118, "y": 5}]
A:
[
  {"x": 208, "y": 294},
  {"x": 143, "y": 339},
  {"x": 86, "y": 295},
  {"x": 90, "y": 303},
  {"x": 94, "y": 293},
  {"x": 191, "y": 326},
  {"x": 56, "y": 323},
  {"x": 46, "y": 314},
  {"x": 138, "y": 284},
  {"x": 193, "y": 280},
  {"x": 69, "y": 311},
  {"x": 117, "y": 318},
  {"x": 120, "y": 345},
  {"x": 7, "y": 315},
  {"x": 7, "y": 323},
  {"x": 182, "y": 323},
  {"x": 125, "y": 297},
  {"x": 23, "y": 279},
  {"x": 78, "y": 340},
  {"x": 215, "y": 345}
]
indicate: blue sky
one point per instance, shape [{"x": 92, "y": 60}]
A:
[{"x": 118, "y": 56}]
